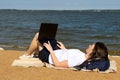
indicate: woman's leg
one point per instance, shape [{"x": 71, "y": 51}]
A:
[{"x": 35, "y": 46}]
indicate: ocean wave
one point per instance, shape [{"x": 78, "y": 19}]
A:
[{"x": 13, "y": 47}]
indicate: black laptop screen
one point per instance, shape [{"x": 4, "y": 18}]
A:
[{"x": 47, "y": 32}]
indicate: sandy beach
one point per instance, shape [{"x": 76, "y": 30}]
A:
[{"x": 8, "y": 72}]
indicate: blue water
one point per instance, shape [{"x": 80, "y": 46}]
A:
[{"x": 77, "y": 29}]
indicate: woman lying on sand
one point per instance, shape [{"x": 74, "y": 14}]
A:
[{"x": 96, "y": 53}]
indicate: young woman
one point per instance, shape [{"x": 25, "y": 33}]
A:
[{"x": 63, "y": 57}]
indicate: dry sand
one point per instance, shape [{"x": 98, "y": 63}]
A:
[{"x": 8, "y": 72}]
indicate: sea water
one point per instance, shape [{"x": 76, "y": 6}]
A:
[{"x": 76, "y": 28}]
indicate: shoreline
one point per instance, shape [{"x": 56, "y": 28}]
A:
[{"x": 111, "y": 52}]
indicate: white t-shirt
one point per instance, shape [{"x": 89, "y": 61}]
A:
[{"x": 74, "y": 56}]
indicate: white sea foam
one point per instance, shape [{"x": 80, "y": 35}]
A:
[
  {"x": 1, "y": 49},
  {"x": 116, "y": 56},
  {"x": 5, "y": 46}
]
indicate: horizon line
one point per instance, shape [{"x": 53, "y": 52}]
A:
[{"x": 61, "y": 9}]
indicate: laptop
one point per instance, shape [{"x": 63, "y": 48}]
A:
[{"x": 47, "y": 32}]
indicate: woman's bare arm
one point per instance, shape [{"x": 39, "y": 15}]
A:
[{"x": 56, "y": 62}]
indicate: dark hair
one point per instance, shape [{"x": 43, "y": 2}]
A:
[{"x": 99, "y": 51}]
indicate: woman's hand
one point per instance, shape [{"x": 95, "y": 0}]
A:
[
  {"x": 60, "y": 45},
  {"x": 48, "y": 46},
  {"x": 56, "y": 62}
]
